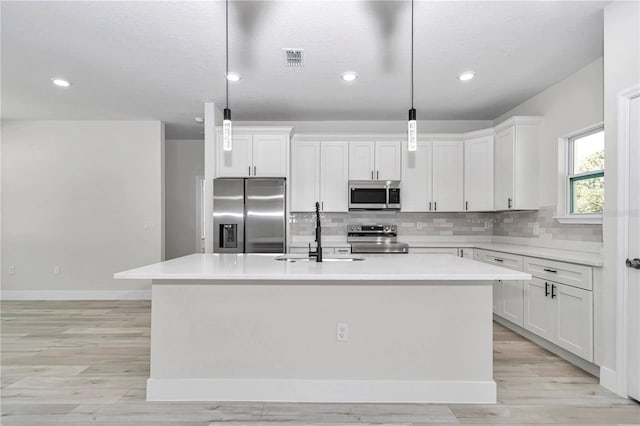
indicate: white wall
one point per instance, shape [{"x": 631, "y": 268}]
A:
[
  {"x": 568, "y": 106},
  {"x": 621, "y": 71},
  {"x": 84, "y": 195},
  {"x": 184, "y": 162},
  {"x": 375, "y": 126}
]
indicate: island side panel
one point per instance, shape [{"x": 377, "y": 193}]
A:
[{"x": 421, "y": 342}]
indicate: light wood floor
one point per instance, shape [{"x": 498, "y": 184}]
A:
[{"x": 77, "y": 363}]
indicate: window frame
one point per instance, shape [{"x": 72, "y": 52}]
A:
[{"x": 566, "y": 178}]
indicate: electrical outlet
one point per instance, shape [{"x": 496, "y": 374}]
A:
[
  {"x": 536, "y": 228},
  {"x": 56, "y": 270},
  {"x": 487, "y": 225},
  {"x": 12, "y": 270},
  {"x": 342, "y": 332},
  {"x": 419, "y": 226}
]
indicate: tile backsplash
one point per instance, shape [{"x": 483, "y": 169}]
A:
[
  {"x": 510, "y": 224},
  {"x": 408, "y": 223},
  {"x": 524, "y": 224}
]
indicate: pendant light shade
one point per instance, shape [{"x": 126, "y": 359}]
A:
[
  {"x": 412, "y": 125},
  {"x": 412, "y": 131},
  {"x": 227, "y": 127},
  {"x": 227, "y": 131}
]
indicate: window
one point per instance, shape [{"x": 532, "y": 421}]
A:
[
  {"x": 581, "y": 177},
  {"x": 586, "y": 172}
]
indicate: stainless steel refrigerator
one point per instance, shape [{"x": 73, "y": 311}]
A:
[{"x": 249, "y": 215}]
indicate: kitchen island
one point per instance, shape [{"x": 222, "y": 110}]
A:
[{"x": 391, "y": 328}]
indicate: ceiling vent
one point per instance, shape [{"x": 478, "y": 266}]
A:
[{"x": 293, "y": 58}]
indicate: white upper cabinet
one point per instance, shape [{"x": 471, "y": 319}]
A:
[
  {"x": 516, "y": 164},
  {"x": 334, "y": 176},
  {"x": 362, "y": 162},
  {"x": 269, "y": 155},
  {"x": 319, "y": 172},
  {"x": 305, "y": 175},
  {"x": 388, "y": 160},
  {"x": 255, "y": 153},
  {"x": 237, "y": 162},
  {"x": 375, "y": 160},
  {"x": 416, "y": 182},
  {"x": 448, "y": 172},
  {"x": 478, "y": 174}
]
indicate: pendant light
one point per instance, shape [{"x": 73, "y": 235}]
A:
[
  {"x": 412, "y": 126},
  {"x": 227, "y": 131}
]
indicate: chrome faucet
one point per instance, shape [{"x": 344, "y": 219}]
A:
[{"x": 318, "y": 253}]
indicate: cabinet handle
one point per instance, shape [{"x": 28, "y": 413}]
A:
[
  {"x": 254, "y": 170},
  {"x": 435, "y": 206},
  {"x": 429, "y": 205},
  {"x": 466, "y": 205},
  {"x": 498, "y": 260},
  {"x": 461, "y": 252},
  {"x": 371, "y": 174},
  {"x": 553, "y": 291},
  {"x": 546, "y": 289},
  {"x": 550, "y": 270},
  {"x": 377, "y": 174},
  {"x": 249, "y": 170},
  {"x": 509, "y": 203},
  {"x": 322, "y": 205}
]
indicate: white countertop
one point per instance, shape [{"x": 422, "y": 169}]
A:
[
  {"x": 400, "y": 267},
  {"x": 562, "y": 255}
]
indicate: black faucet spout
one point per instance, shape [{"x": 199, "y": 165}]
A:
[{"x": 318, "y": 253}]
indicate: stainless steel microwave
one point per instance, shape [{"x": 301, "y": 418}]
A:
[{"x": 374, "y": 195}]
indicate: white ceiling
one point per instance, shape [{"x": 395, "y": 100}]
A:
[{"x": 162, "y": 60}]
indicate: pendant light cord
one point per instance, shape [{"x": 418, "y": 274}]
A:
[
  {"x": 411, "y": 54},
  {"x": 226, "y": 73}
]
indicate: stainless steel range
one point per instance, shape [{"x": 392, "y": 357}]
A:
[{"x": 375, "y": 239}]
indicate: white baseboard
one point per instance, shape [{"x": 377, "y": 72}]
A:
[
  {"x": 609, "y": 379},
  {"x": 294, "y": 390},
  {"x": 76, "y": 295}
]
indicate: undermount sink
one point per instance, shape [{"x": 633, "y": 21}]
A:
[{"x": 302, "y": 258}]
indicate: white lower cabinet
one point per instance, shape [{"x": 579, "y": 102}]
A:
[
  {"x": 561, "y": 314},
  {"x": 512, "y": 301},
  {"x": 573, "y": 320},
  {"x": 537, "y": 309}
]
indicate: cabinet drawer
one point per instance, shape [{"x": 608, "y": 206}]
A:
[
  {"x": 565, "y": 273},
  {"x": 433, "y": 250},
  {"x": 505, "y": 260},
  {"x": 342, "y": 250}
]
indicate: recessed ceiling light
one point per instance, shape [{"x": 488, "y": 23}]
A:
[
  {"x": 466, "y": 76},
  {"x": 199, "y": 120},
  {"x": 233, "y": 76},
  {"x": 349, "y": 76},
  {"x": 60, "y": 82}
]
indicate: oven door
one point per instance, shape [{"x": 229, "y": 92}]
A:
[{"x": 367, "y": 198}]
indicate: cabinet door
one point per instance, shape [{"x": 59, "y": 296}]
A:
[
  {"x": 237, "y": 162},
  {"x": 466, "y": 252},
  {"x": 334, "y": 176},
  {"x": 269, "y": 155},
  {"x": 478, "y": 174},
  {"x": 512, "y": 301},
  {"x": 416, "y": 182},
  {"x": 538, "y": 308},
  {"x": 361, "y": 160},
  {"x": 388, "y": 160},
  {"x": 497, "y": 296},
  {"x": 504, "y": 184},
  {"x": 305, "y": 176},
  {"x": 448, "y": 161},
  {"x": 573, "y": 329}
]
